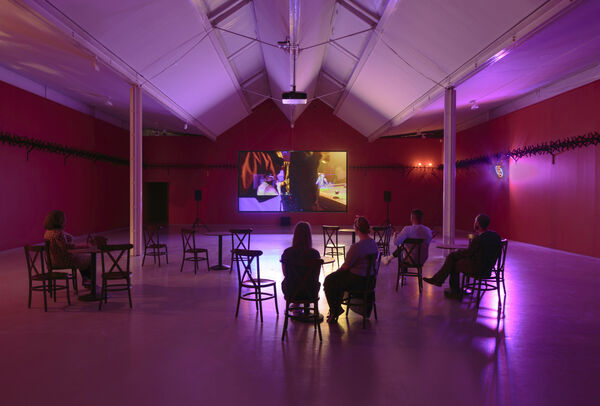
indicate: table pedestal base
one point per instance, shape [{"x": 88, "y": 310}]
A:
[{"x": 219, "y": 267}]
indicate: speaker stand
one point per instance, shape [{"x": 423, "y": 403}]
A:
[
  {"x": 387, "y": 219},
  {"x": 198, "y": 223}
]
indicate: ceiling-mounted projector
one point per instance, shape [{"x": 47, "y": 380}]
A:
[{"x": 293, "y": 97}]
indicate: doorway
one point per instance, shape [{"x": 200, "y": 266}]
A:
[{"x": 156, "y": 203}]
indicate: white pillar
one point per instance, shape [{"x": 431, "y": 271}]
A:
[
  {"x": 135, "y": 169},
  {"x": 448, "y": 226}
]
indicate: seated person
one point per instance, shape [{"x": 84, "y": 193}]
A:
[
  {"x": 61, "y": 242},
  {"x": 351, "y": 275},
  {"x": 477, "y": 260},
  {"x": 415, "y": 230},
  {"x": 296, "y": 283}
]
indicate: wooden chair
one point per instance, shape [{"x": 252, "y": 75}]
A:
[
  {"x": 308, "y": 304},
  {"x": 382, "y": 236},
  {"x": 482, "y": 284},
  {"x": 37, "y": 273},
  {"x": 54, "y": 277},
  {"x": 250, "y": 286},
  {"x": 331, "y": 247},
  {"x": 188, "y": 238},
  {"x": 409, "y": 257},
  {"x": 112, "y": 271},
  {"x": 153, "y": 246},
  {"x": 240, "y": 240},
  {"x": 367, "y": 294}
]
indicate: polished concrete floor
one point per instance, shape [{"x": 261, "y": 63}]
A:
[{"x": 182, "y": 345}]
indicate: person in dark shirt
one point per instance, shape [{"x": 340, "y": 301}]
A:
[
  {"x": 295, "y": 263},
  {"x": 353, "y": 272},
  {"x": 478, "y": 259}
]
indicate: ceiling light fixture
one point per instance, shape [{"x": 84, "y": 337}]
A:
[
  {"x": 185, "y": 126},
  {"x": 108, "y": 102}
]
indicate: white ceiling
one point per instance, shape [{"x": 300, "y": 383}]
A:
[{"x": 209, "y": 62}]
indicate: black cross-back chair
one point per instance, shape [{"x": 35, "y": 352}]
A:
[
  {"x": 409, "y": 257},
  {"x": 56, "y": 276},
  {"x": 188, "y": 238},
  {"x": 114, "y": 272},
  {"x": 482, "y": 284},
  {"x": 367, "y": 294},
  {"x": 310, "y": 303},
  {"x": 382, "y": 235},
  {"x": 331, "y": 247},
  {"x": 250, "y": 286},
  {"x": 38, "y": 272},
  {"x": 153, "y": 246},
  {"x": 240, "y": 240}
]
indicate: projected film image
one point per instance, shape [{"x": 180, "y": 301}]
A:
[{"x": 292, "y": 181}]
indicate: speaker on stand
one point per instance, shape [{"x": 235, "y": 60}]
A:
[
  {"x": 198, "y": 223},
  {"x": 387, "y": 197}
]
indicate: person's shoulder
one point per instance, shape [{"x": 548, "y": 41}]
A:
[
  {"x": 288, "y": 252},
  {"x": 314, "y": 253}
]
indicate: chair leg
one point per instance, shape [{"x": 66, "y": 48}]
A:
[
  {"x": 45, "y": 300},
  {"x": 498, "y": 291},
  {"x": 54, "y": 288},
  {"x": 374, "y": 309},
  {"x": 68, "y": 292},
  {"x": 398, "y": 279},
  {"x": 208, "y": 263},
  {"x": 157, "y": 252},
  {"x": 129, "y": 293},
  {"x": 182, "y": 262},
  {"x": 195, "y": 263},
  {"x": 275, "y": 297},
  {"x": 260, "y": 305},
  {"x": 29, "y": 301},
  {"x": 285, "y": 320},
  {"x": 102, "y": 293},
  {"x": 167, "y": 254},
  {"x": 237, "y": 308},
  {"x": 144, "y": 258},
  {"x": 365, "y": 308},
  {"x": 317, "y": 323}
]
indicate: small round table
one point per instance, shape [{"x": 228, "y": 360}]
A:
[{"x": 220, "y": 234}]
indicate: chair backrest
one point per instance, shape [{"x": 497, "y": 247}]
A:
[
  {"x": 151, "y": 236},
  {"x": 115, "y": 253},
  {"x": 374, "y": 260},
  {"x": 409, "y": 255},
  {"x": 502, "y": 256},
  {"x": 34, "y": 255},
  {"x": 240, "y": 238},
  {"x": 243, "y": 260},
  {"x": 330, "y": 236},
  {"x": 188, "y": 238},
  {"x": 310, "y": 268},
  {"x": 382, "y": 235}
]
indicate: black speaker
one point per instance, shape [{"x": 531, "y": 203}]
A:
[
  {"x": 387, "y": 196},
  {"x": 198, "y": 195},
  {"x": 285, "y": 221}
]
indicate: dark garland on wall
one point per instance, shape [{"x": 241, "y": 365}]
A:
[
  {"x": 32, "y": 144},
  {"x": 552, "y": 148}
]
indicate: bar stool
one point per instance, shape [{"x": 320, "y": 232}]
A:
[
  {"x": 330, "y": 243},
  {"x": 250, "y": 286},
  {"x": 188, "y": 238}
]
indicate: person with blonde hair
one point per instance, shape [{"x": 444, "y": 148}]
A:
[
  {"x": 296, "y": 282},
  {"x": 60, "y": 243},
  {"x": 353, "y": 272}
]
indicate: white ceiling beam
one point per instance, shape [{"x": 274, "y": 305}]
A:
[
  {"x": 82, "y": 39},
  {"x": 389, "y": 9},
  {"x": 215, "y": 40},
  {"x": 496, "y": 50}
]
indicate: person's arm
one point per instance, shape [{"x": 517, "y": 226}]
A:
[
  {"x": 351, "y": 258},
  {"x": 403, "y": 235}
]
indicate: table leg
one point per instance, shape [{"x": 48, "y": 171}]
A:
[
  {"x": 92, "y": 296},
  {"x": 220, "y": 266}
]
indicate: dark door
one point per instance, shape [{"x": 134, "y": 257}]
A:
[{"x": 156, "y": 203}]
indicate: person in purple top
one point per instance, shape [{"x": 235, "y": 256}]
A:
[
  {"x": 352, "y": 273},
  {"x": 478, "y": 259}
]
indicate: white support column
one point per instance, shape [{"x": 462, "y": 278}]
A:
[
  {"x": 448, "y": 226},
  {"x": 135, "y": 169}
]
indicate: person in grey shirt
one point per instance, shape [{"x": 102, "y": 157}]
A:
[
  {"x": 351, "y": 275},
  {"x": 415, "y": 230}
]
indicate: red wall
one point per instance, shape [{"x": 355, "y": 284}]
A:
[
  {"x": 317, "y": 128},
  {"x": 94, "y": 196},
  {"x": 556, "y": 206}
]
